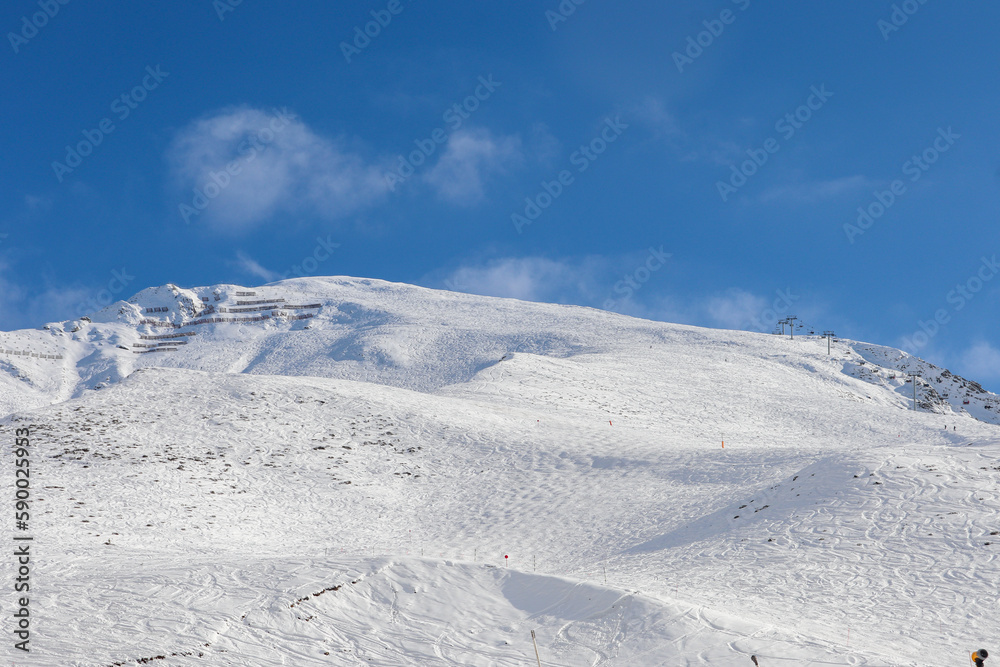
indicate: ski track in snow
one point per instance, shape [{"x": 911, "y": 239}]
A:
[{"x": 374, "y": 470}]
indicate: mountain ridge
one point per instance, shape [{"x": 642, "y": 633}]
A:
[{"x": 388, "y": 333}]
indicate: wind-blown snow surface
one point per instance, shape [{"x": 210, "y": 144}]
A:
[{"x": 342, "y": 488}]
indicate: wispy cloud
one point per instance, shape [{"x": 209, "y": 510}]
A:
[
  {"x": 734, "y": 309},
  {"x": 652, "y": 112},
  {"x": 468, "y": 160},
  {"x": 594, "y": 280},
  {"x": 981, "y": 361},
  {"x": 681, "y": 136},
  {"x": 543, "y": 146},
  {"x": 815, "y": 191},
  {"x": 36, "y": 204},
  {"x": 527, "y": 278},
  {"x": 22, "y": 308},
  {"x": 252, "y": 267},
  {"x": 280, "y": 166}
]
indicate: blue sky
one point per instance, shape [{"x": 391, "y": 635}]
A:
[{"x": 697, "y": 162}]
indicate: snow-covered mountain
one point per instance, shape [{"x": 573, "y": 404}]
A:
[
  {"x": 345, "y": 471},
  {"x": 410, "y": 337}
]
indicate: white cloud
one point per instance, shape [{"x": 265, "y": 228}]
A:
[
  {"x": 591, "y": 280},
  {"x": 815, "y": 191},
  {"x": 35, "y": 204},
  {"x": 653, "y": 113},
  {"x": 251, "y": 266},
  {"x": 526, "y": 278},
  {"x": 598, "y": 281},
  {"x": 283, "y": 167},
  {"x": 21, "y": 308},
  {"x": 468, "y": 160},
  {"x": 735, "y": 308},
  {"x": 982, "y": 360},
  {"x": 61, "y": 303},
  {"x": 543, "y": 147}
]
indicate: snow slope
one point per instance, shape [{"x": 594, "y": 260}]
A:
[
  {"x": 273, "y": 494},
  {"x": 405, "y": 336}
]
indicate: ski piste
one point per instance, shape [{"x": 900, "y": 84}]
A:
[{"x": 350, "y": 483}]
